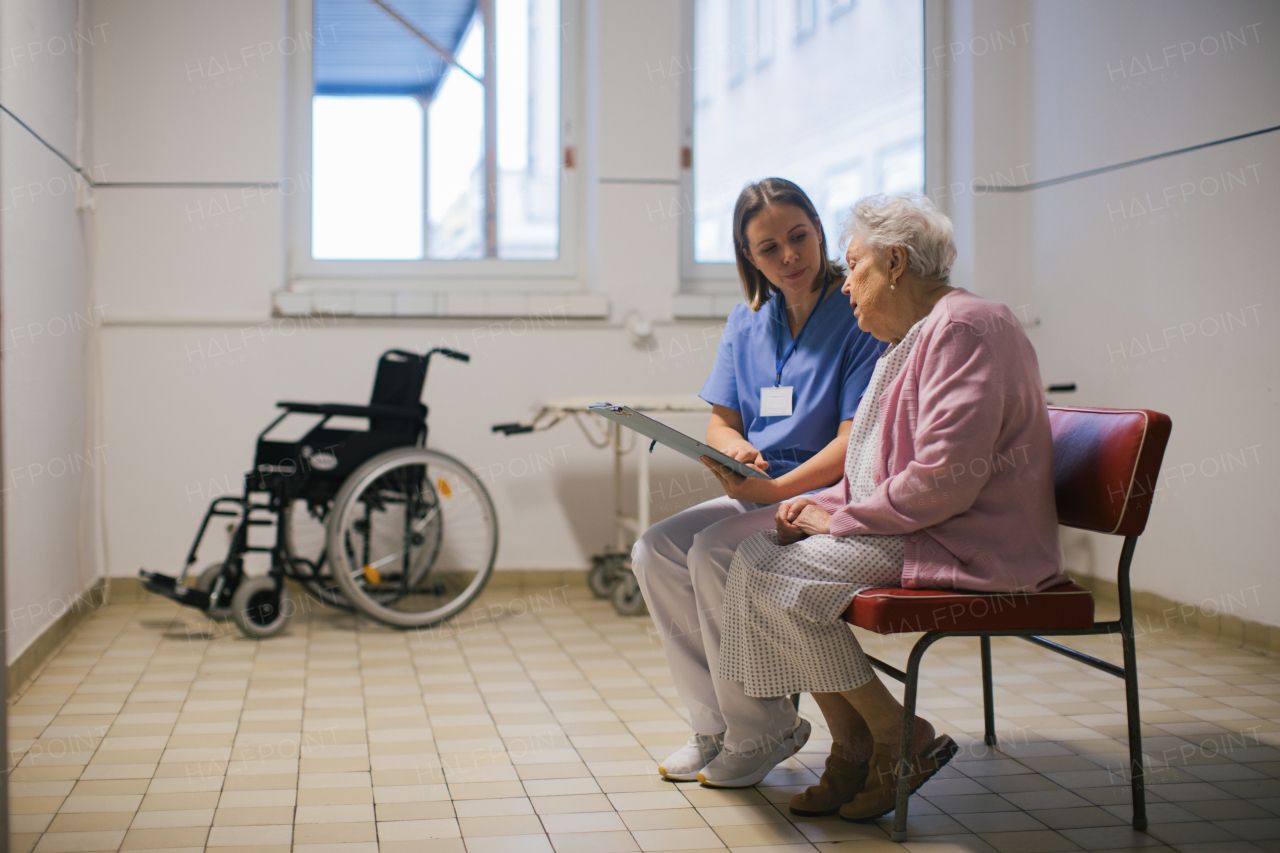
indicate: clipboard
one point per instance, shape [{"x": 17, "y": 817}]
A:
[{"x": 676, "y": 440}]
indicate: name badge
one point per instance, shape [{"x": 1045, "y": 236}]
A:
[{"x": 775, "y": 402}]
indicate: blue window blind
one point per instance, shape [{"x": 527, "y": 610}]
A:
[{"x": 362, "y": 50}]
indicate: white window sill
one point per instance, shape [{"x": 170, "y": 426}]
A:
[{"x": 337, "y": 303}]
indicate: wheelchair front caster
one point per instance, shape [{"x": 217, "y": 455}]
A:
[
  {"x": 627, "y": 599},
  {"x": 259, "y": 608}
]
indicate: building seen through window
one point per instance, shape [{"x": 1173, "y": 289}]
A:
[{"x": 827, "y": 93}]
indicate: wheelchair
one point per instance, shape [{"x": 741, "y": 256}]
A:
[{"x": 370, "y": 520}]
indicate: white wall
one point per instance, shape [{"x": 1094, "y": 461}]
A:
[
  {"x": 180, "y": 422},
  {"x": 1103, "y": 277},
  {"x": 50, "y": 315}
]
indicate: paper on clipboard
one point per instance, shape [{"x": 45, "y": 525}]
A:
[{"x": 676, "y": 440}]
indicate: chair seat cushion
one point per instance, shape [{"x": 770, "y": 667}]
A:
[{"x": 902, "y": 611}]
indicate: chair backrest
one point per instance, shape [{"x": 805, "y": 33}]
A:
[
  {"x": 1106, "y": 463},
  {"x": 400, "y": 378}
]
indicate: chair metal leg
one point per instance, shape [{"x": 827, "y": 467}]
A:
[
  {"x": 911, "y": 684},
  {"x": 1130, "y": 644},
  {"x": 988, "y": 698},
  {"x": 899, "y": 833},
  {"x": 1137, "y": 781}
]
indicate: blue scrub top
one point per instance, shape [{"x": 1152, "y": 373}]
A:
[{"x": 828, "y": 371}]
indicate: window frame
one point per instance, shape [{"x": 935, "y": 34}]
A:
[
  {"x": 720, "y": 279},
  {"x": 836, "y": 8},
  {"x": 427, "y": 276},
  {"x": 762, "y": 13},
  {"x": 802, "y": 33}
]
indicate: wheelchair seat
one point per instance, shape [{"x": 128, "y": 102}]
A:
[{"x": 314, "y": 466}]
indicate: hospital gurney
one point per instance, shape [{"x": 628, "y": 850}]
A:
[{"x": 611, "y": 569}]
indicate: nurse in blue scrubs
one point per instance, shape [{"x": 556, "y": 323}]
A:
[{"x": 790, "y": 371}]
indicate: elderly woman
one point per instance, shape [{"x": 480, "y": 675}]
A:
[{"x": 959, "y": 383}]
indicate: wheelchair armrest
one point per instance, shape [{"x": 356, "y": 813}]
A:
[{"x": 406, "y": 413}]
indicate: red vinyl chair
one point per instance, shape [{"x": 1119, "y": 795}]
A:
[{"x": 1105, "y": 465}]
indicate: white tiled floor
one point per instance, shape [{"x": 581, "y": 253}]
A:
[{"x": 538, "y": 730}]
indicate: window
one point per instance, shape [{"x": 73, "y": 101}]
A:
[
  {"x": 850, "y": 96},
  {"x": 405, "y": 98},
  {"x": 406, "y": 176}
]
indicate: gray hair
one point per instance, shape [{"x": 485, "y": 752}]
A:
[{"x": 911, "y": 221}]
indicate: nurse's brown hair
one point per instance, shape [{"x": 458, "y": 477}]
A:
[{"x": 755, "y": 198}]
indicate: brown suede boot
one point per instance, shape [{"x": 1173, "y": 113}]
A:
[
  {"x": 880, "y": 793},
  {"x": 841, "y": 781}
]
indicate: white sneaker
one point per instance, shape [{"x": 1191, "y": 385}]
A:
[
  {"x": 743, "y": 769},
  {"x": 683, "y": 764}
]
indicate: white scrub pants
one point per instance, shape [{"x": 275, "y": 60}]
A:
[{"x": 682, "y": 565}]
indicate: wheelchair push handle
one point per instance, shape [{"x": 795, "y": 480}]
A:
[{"x": 426, "y": 356}]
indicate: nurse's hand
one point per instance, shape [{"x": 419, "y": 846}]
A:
[
  {"x": 742, "y": 488},
  {"x": 743, "y": 452},
  {"x": 800, "y": 519}
]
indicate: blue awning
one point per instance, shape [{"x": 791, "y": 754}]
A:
[{"x": 361, "y": 50}]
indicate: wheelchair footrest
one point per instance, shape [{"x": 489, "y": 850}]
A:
[{"x": 170, "y": 588}]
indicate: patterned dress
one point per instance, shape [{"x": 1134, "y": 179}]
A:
[{"x": 782, "y": 626}]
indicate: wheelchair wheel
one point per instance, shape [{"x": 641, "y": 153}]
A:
[
  {"x": 204, "y": 583},
  {"x": 259, "y": 608},
  {"x": 412, "y": 537},
  {"x": 304, "y": 531}
]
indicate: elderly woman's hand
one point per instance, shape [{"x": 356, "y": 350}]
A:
[{"x": 800, "y": 519}]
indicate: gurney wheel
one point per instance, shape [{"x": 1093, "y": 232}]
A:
[
  {"x": 602, "y": 576},
  {"x": 627, "y": 599}
]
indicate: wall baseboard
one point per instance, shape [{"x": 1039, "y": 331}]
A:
[
  {"x": 1154, "y": 612},
  {"x": 34, "y": 656},
  {"x": 129, "y": 589}
]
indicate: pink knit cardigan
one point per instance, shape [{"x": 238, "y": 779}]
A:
[{"x": 965, "y": 464}]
